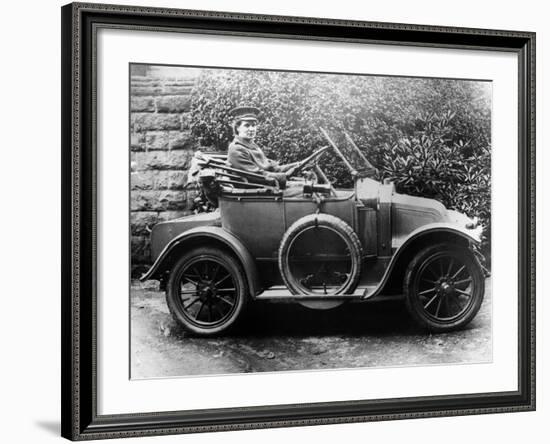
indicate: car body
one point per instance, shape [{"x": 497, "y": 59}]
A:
[{"x": 321, "y": 247}]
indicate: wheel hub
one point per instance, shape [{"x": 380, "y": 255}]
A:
[{"x": 207, "y": 291}]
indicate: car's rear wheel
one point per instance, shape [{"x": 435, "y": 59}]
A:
[
  {"x": 206, "y": 291},
  {"x": 444, "y": 287}
]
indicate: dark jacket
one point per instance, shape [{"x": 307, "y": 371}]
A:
[{"x": 249, "y": 157}]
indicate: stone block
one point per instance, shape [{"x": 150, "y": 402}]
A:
[
  {"x": 173, "y": 104},
  {"x": 181, "y": 140},
  {"x": 169, "y": 140},
  {"x": 138, "y": 72},
  {"x": 177, "y": 90},
  {"x": 158, "y": 180},
  {"x": 137, "y": 142},
  {"x": 155, "y": 122},
  {"x": 164, "y": 216},
  {"x": 170, "y": 180},
  {"x": 153, "y": 200},
  {"x": 142, "y": 180},
  {"x": 142, "y": 221},
  {"x": 142, "y": 104},
  {"x": 145, "y": 90},
  {"x": 162, "y": 160},
  {"x": 157, "y": 140},
  {"x": 179, "y": 82},
  {"x": 145, "y": 81}
]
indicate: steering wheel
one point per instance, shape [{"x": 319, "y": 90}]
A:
[
  {"x": 310, "y": 174},
  {"x": 303, "y": 163}
]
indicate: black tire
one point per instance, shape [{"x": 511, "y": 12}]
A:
[
  {"x": 444, "y": 287},
  {"x": 349, "y": 249},
  {"x": 194, "y": 296}
]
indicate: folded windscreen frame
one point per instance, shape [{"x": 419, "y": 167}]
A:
[{"x": 350, "y": 154}]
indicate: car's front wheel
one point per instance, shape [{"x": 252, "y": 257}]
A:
[
  {"x": 206, "y": 291},
  {"x": 444, "y": 287}
]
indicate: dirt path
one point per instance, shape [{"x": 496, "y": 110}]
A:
[{"x": 278, "y": 337}]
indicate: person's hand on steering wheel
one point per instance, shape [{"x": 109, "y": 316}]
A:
[
  {"x": 310, "y": 175},
  {"x": 299, "y": 166}
]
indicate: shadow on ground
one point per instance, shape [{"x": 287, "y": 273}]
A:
[{"x": 279, "y": 337}]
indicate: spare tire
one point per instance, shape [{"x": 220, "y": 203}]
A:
[{"x": 320, "y": 254}]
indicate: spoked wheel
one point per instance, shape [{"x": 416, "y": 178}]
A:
[
  {"x": 444, "y": 287},
  {"x": 206, "y": 291}
]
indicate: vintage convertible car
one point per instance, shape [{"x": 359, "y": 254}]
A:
[{"x": 317, "y": 246}]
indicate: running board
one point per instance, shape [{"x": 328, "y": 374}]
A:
[{"x": 279, "y": 292}]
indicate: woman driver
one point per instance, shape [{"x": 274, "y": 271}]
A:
[{"x": 244, "y": 154}]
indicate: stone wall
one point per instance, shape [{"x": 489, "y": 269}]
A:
[{"x": 161, "y": 150}]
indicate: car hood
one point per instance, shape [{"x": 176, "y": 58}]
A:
[{"x": 410, "y": 213}]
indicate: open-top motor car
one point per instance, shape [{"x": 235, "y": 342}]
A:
[{"x": 317, "y": 246}]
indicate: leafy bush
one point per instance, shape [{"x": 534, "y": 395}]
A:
[
  {"x": 430, "y": 136},
  {"x": 431, "y": 164}
]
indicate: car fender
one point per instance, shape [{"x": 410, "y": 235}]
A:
[
  {"x": 404, "y": 246},
  {"x": 208, "y": 233},
  {"x": 472, "y": 234}
]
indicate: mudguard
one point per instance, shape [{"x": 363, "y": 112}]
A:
[
  {"x": 207, "y": 234},
  {"x": 402, "y": 246},
  {"x": 471, "y": 234}
]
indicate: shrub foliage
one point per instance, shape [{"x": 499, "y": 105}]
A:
[{"x": 431, "y": 137}]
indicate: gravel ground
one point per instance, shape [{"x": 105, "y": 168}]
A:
[{"x": 279, "y": 337}]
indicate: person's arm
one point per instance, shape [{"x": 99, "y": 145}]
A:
[
  {"x": 287, "y": 167},
  {"x": 272, "y": 165},
  {"x": 264, "y": 162},
  {"x": 241, "y": 159}
]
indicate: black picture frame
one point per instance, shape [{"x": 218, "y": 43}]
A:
[{"x": 79, "y": 174}]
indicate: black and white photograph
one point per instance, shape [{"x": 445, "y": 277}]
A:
[
  {"x": 300, "y": 221},
  {"x": 274, "y": 221}
]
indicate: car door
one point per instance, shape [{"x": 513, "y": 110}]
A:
[{"x": 258, "y": 222}]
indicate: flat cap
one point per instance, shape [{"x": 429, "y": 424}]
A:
[{"x": 245, "y": 113}]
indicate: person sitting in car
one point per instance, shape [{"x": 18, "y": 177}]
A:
[{"x": 244, "y": 154}]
